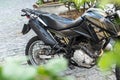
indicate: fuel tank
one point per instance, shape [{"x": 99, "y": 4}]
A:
[{"x": 98, "y": 18}]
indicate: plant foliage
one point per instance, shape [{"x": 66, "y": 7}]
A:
[
  {"x": 49, "y": 71},
  {"x": 39, "y": 2},
  {"x": 110, "y": 58},
  {"x": 77, "y": 3}
]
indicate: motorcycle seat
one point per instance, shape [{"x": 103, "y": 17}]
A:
[{"x": 60, "y": 23}]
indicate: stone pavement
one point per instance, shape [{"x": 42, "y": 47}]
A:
[{"x": 12, "y": 42}]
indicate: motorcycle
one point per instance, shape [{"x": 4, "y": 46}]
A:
[{"x": 80, "y": 41}]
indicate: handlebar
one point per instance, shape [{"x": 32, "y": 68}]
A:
[{"x": 31, "y": 11}]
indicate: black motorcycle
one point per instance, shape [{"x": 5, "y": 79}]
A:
[{"x": 80, "y": 41}]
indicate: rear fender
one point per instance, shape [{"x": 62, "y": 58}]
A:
[
  {"x": 26, "y": 29},
  {"x": 43, "y": 33}
]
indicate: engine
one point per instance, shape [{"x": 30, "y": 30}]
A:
[
  {"x": 86, "y": 53},
  {"x": 82, "y": 59}
]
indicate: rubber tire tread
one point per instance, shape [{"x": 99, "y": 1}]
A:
[
  {"x": 117, "y": 73},
  {"x": 33, "y": 39}
]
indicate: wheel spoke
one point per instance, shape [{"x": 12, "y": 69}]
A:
[{"x": 39, "y": 52}]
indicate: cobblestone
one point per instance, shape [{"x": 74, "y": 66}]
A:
[{"x": 12, "y": 42}]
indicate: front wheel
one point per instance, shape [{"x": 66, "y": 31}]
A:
[
  {"x": 117, "y": 73},
  {"x": 37, "y": 52}
]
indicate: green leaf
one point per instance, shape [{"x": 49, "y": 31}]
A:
[
  {"x": 110, "y": 58},
  {"x": 106, "y": 61},
  {"x": 52, "y": 69},
  {"x": 39, "y": 2},
  {"x": 13, "y": 71},
  {"x": 56, "y": 65},
  {"x": 1, "y": 74},
  {"x": 78, "y": 3},
  {"x": 42, "y": 71}
]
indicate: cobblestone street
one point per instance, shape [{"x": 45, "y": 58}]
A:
[{"x": 12, "y": 42}]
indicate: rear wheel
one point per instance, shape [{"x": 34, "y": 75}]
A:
[{"x": 38, "y": 52}]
